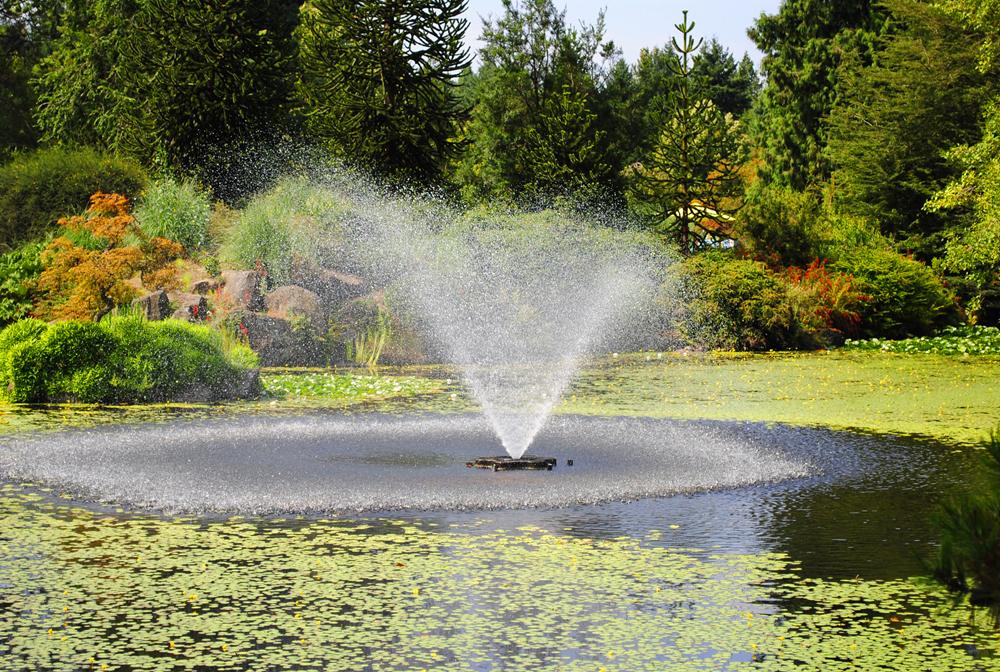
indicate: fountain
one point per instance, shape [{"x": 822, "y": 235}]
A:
[{"x": 517, "y": 302}]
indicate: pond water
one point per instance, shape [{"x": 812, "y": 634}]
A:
[{"x": 811, "y": 569}]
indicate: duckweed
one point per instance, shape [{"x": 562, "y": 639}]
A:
[{"x": 83, "y": 590}]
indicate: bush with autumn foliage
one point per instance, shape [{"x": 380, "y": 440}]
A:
[{"x": 92, "y": 267}]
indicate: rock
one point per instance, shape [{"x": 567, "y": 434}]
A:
[
  {"x": 242, "y": 289},
  {"x": 190, "y": 307},
  {"x": 289, "y": 301},
  {"x": 204, "y": 286},
  {"x": 155, "y": 305},
  {"x": 277, "y": 343},
  {"x": 333, "y": 287}
]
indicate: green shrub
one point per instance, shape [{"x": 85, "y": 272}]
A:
[
  {"x": 781, "y": 225},
  {"x": 123, "y": 358},
  {"x": 18, "y": 271},
  {"x": 175, "y": 210},
  {"x": 737, "y": 304},
  {"x": 298, "y": 218},
  {"x": 969, "y": 527},
  {"x": 38, "y": 188},
  {"x": 905, "y": 297}
]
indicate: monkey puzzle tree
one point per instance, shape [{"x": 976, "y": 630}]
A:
[
  {"x": 378, "y": 79},
  {"x": 690, "y": 183}
]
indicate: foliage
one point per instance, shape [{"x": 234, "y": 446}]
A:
[
  {"x": 123, "y": 358},
  {"x": 26, "y": 30},
  {"x": 19, "y": 269},
  {"x": 828, "y": 303},
  {"x": 688, "y": 185},
  {"x": 532, "y": 94},
  {"x": 176, "y": 210},
  {"x": 972, "y": 249},
  {"x": 370, "y": 340},
  {"x": 377, "y": 81},
  {"x": 969, "y": 525},
  {"x": 732, "y": 86},
  {"x": 346, "y": 387},
  {"x": 975, "y": 340},
  {"x": 737, "y": 304},
  {"x": 86, "y": 281},
  {"x": 780, "y": 225},
  {"x": 296, "y": 219},
  {"x": 905, "y": 297},
  {"x": 168, "y": 82},
  {"x": 804, "y": 44},
  {"x": 895, "y": 120},
  {"x": 38, "y": 188}
]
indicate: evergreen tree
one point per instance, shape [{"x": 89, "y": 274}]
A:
[
  {"x": 378, "y": 81},
  {"x": 537, "y": 75},
  {"x": 803, "y": 45},
  {"x": 27, "y": 29},
  {"x": 896, "y": 120},
  {"x": 690, "y": 183},
  {"x": 170, "y": 82},
  {"x": 730, "y": 85}
]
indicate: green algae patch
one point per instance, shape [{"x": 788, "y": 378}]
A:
[
  {"x": 84, "y": 590},
  {"x": 946, "y": 398},
  {"x": 347, "y": 388}
]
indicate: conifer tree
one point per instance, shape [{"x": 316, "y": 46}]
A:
[
  {"x": 378, "y": 80},
  {"x": 692, "y": 176}
]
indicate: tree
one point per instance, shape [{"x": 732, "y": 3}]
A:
[
  {"x": 85, "y": 280},
  {"x": 896, "y": 119},
  {"x": 378, "y": 81},
  {"x": 688, "y": 185},
  {"x": 27, "y": 29},
  {"x": 537, "y": 75},
  {"x": 730, "y": 85},
  {"x": 173, "y": 83},
  {"x": 972, "y": 249},
  {"x": 804, "y": 45}
]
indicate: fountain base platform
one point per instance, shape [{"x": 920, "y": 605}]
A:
[{"x": 506, "y": 463}]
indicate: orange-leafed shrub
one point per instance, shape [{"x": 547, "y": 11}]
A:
[
  {"x": 832, "y": 298},
  {"x": 87, "y": 270}
]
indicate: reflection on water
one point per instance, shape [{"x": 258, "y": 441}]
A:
[{"x": 806, "y": 575}]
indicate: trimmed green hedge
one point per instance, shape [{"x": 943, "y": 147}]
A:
[
  {"x": 38, "y": 188},
  {"x": 122, "y": 359}
]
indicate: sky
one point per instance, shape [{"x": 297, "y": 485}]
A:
[{"x": 634, "y": 24}]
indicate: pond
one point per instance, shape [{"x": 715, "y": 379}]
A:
[{"x": 811, "y": 569}]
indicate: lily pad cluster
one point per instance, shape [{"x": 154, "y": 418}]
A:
[
  {"x": 974, "y": 340},
  {"x": 90, "y": 591}
]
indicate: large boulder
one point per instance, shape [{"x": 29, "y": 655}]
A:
[
  {"x": 204, "y": 286},
  {"x": 190, "y": 307},
  {"x": 333, "y": 287},
  {"x": 155, "y": 305},
  {"x": 278, "y": 343},
  {"x": 291, "y": 301},
  {"x": 242, "y": 289}
]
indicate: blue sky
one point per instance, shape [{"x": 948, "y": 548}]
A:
[{"x": 634, "y": 24}]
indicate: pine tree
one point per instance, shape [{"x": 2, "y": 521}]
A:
[
  {"x": 378, "y": 81},
  {"x": 692, "y": 176}
]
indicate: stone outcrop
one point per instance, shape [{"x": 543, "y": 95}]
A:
[
  {"x": 206, "y": 286},
  {"x": 190, "y": 307},
  {"x": 290, "y": 301},
  {"x": 277, "y": 343},
  {"x": 242, "y": 289},
  {"x": 333, "y": 287},
  {"x": 155, "y": 305}
]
